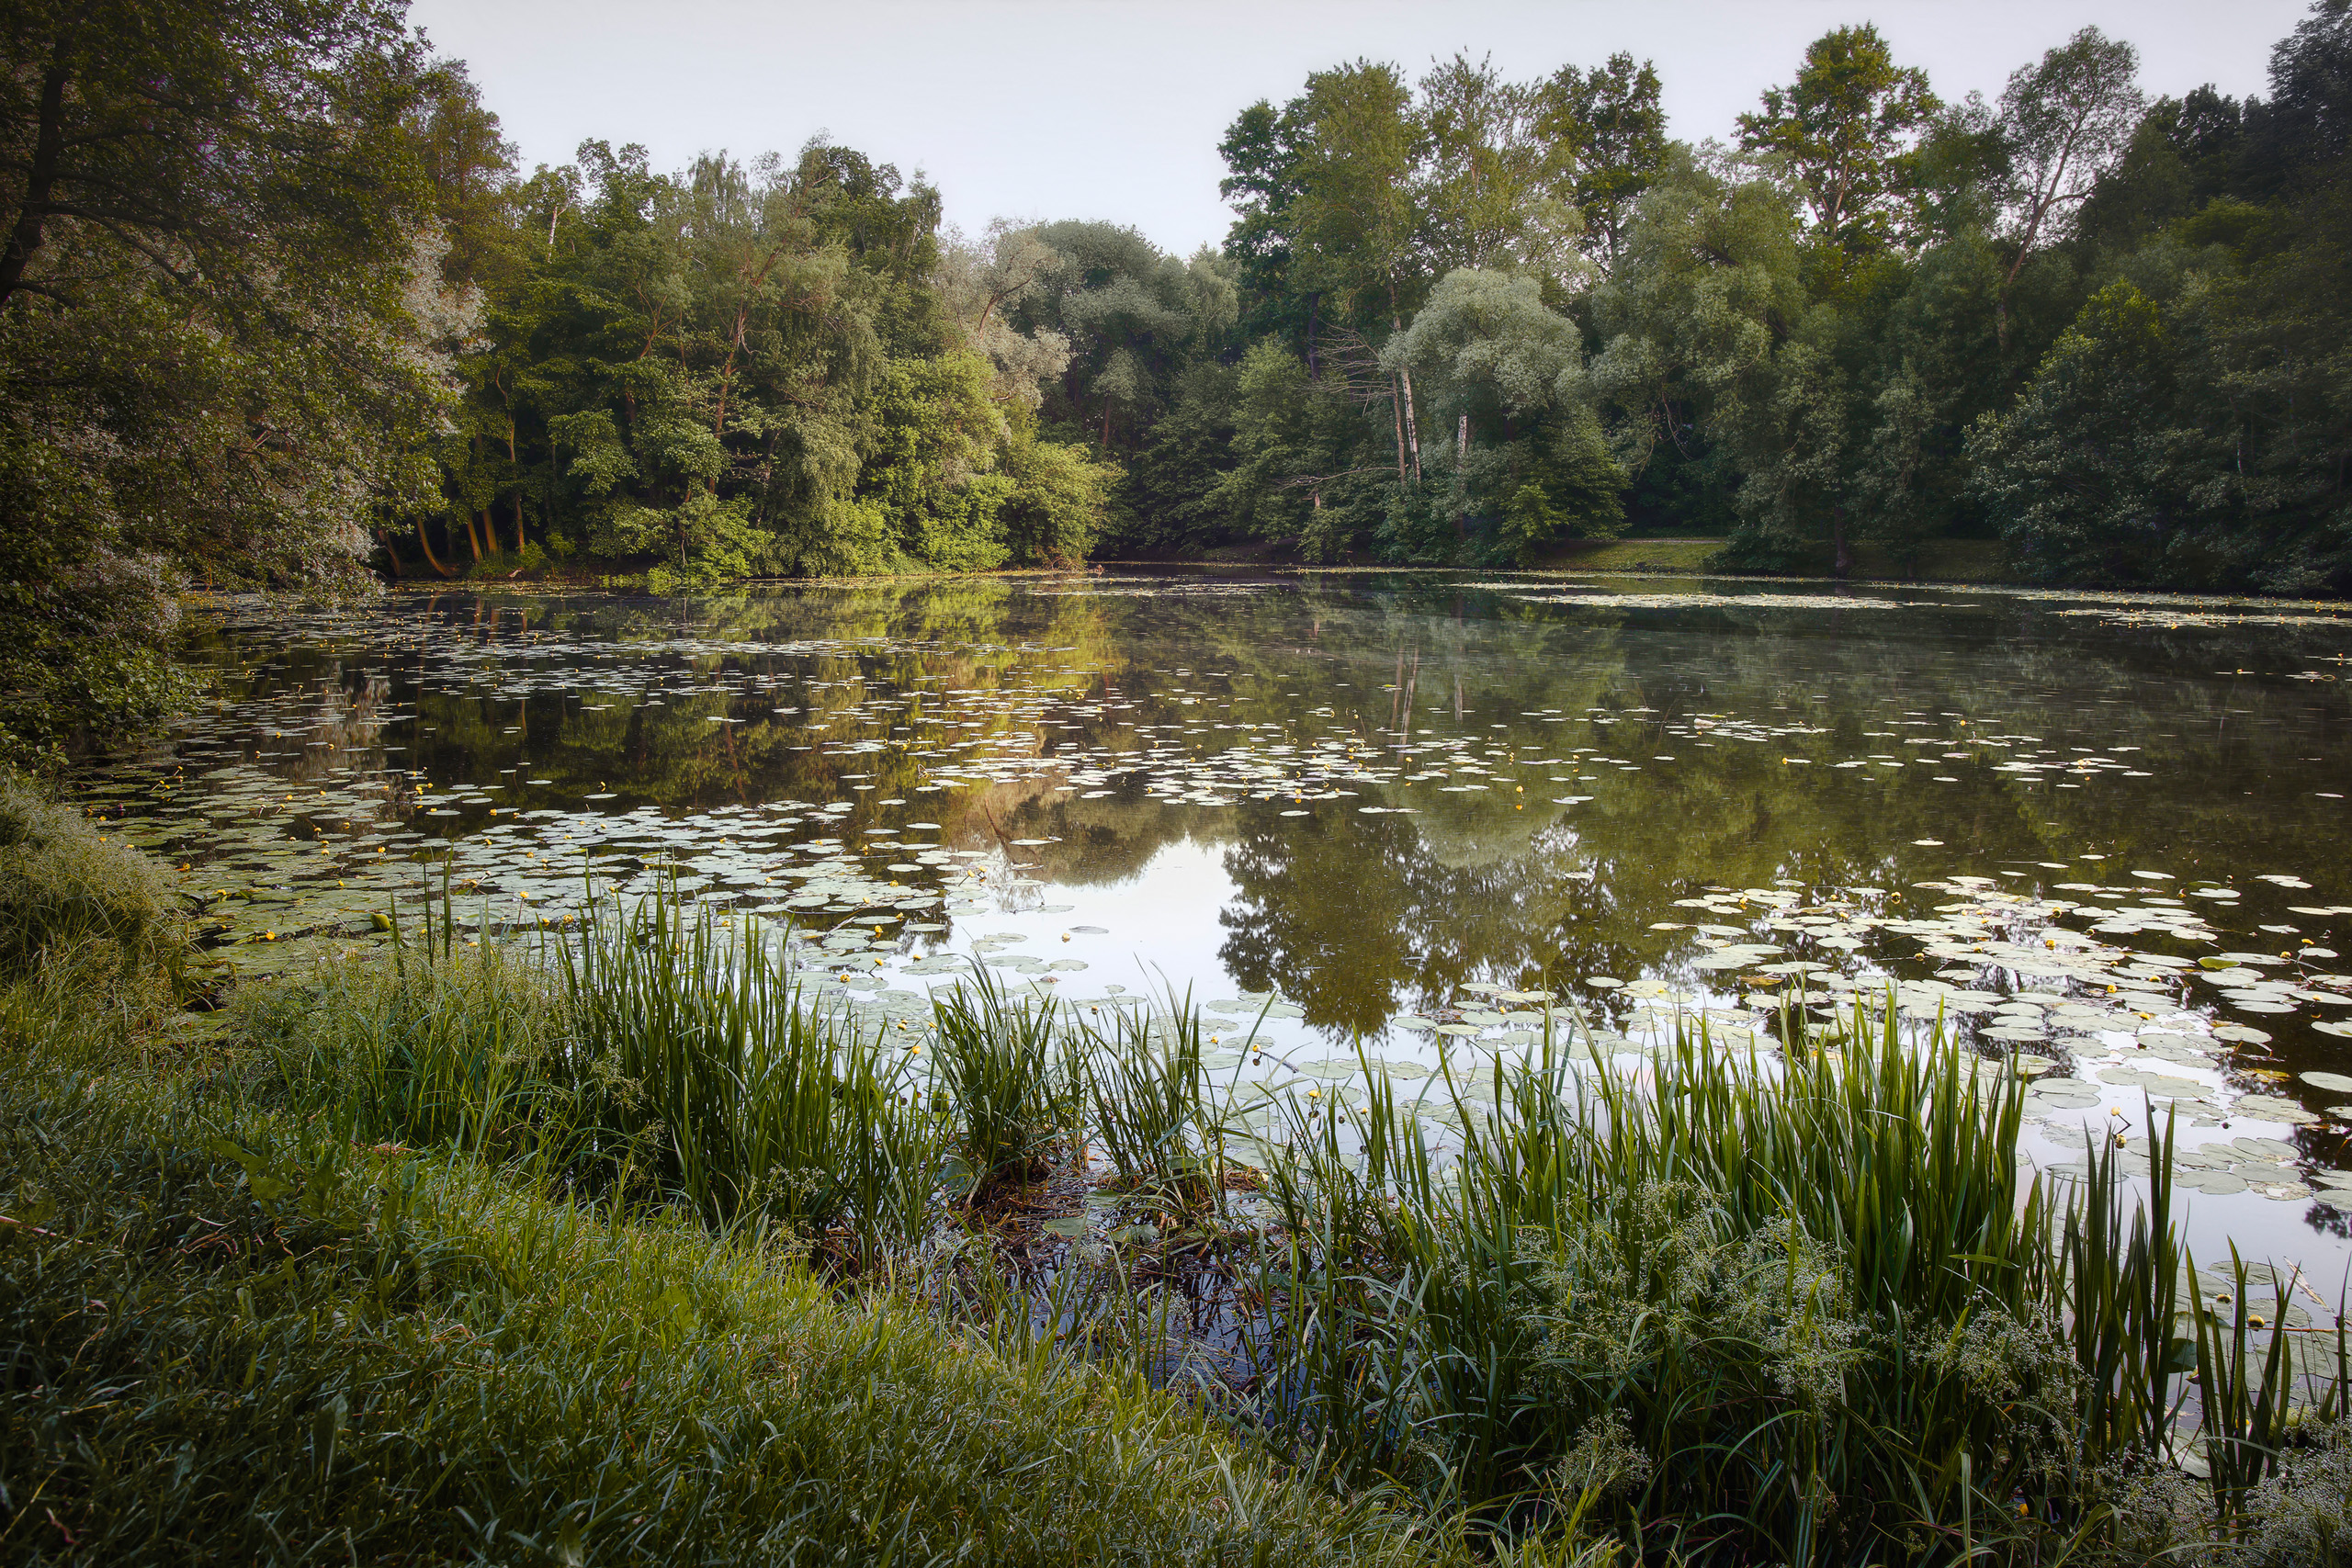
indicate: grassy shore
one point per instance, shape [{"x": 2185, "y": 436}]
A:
[
  {"x": 1940, "y": 560},
  {"x": 602, "y": 1247},
  {"x": 233, "y": 1331}
]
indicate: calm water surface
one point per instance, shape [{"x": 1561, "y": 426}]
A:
[{"x": 2107, "y": 840}]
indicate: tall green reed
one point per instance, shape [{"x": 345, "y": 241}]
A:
[
  {"x": 695, "y": 1054},
  {"x": 1153, "y": 1107},
  {"x": 1808, "y": 1306},
  {"x": 1001, "y": 1067}
]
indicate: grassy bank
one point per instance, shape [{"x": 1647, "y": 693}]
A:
[
  {"x": 1938, "y": 561},
  {"x": 602, "y": 1247},
  {"x": 232, "y": 1332}
]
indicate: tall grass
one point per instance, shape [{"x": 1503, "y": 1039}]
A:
[
  {"x": 471, "y": 1054},
  {"x": 666, "y": 1055},
  {"x": 1153, "y": 1109},
  {"x": 998, "y": 1064},
  {"x": 695, "y": 1056},
  {"x": 1804, "y": 1311},
  {"x": 67, "y": 889},
  {"x": 1800, "y": 1307}
]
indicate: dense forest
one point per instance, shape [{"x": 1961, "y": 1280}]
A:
[{"x": 280, "y": 307}]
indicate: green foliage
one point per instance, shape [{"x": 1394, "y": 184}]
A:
[
  {"x": 224, "y": 333},
  {"x": 759, "y": 367},
  {"x": 1131, "y": 320},
  {"x": 1169, "y": 494},
  {"x": 1152, "y": 1105},
  {"x": 933, "y": 434},
  {"x": 69, "y": 893},
  {"x": 1845, "y": 132},
  {"x": 1059, "y": 499},
  {"x": 2134, "y": 455},
  {"x": 471, "y": 1051},
  {"x": 1609, "y": 124},
  {"x": 996, "y": 1062},
  {"x": 1574, "y": 489}
]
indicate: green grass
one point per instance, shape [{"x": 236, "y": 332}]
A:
[
  {"x": 1939, "y": 560},
  {"x": 418, "y": 1364},
  {"x": 66, "y": 888},
  {"x": 1631, "y": 555},
  {"x": 229, "y": 1334}
]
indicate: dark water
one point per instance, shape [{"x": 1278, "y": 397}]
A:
[{"x": 2106, "y": 840}]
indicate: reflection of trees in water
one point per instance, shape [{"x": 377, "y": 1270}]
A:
[
  {"x": 344, "y": 730},
  {"x": 1348, "y": 917},
  {"x": 1352, "y": 914}
]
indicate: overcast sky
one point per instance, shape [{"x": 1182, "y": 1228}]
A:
[{"x": 1112, "y": 109}]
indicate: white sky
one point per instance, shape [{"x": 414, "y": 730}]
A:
[{"x": 1112, "y": 109}]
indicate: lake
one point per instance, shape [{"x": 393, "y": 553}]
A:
[{"x": 1399, "y": 814}]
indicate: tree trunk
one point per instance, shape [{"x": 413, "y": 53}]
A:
[
  {"x": 1314, "y": 370},
  {"x": 515, "y": 462},
  {"x": 1412, "y": 434},
  {"x": 425, "y": 540},
  {"x": 391, "y": 552},
  {"x": 49, "y": 145},
  {"x": 1405, "y": 378},
  {"x": 474, "y": 535},
  {"x": 1843, "y": 561},
  {"x": 1461, "y": 480},
  {"x": 1396, "y": 408}
]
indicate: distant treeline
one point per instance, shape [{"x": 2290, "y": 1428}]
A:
[{"x": 278, "y": 306}]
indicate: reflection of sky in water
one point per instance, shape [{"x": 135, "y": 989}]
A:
[{"x": 1362, "y": 797}]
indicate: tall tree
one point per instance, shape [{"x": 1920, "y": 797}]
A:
[
  {"x": 1608, "y": 124},
  {"x": 1845, "y": 132},
  {"x": 1260, "y": 155},
  {"x": 2063, "y": 122},
  {"x": 1494, "y": 188},
  {"x": 1355, "y": 218}
]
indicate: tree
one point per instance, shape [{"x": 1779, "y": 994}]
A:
[
  {"x": 2083, "y": 472},
  {"x": 1260, "y": 155},
  {"x": 1354, "y": 219},
  {"x": 1609, "y": 127},
  {"x": 1528, "y": 459},
  {"x": 224, "y": 322},
  {"x": 1131, "y": 317},
  {"x": 984, "y": 284},
  {"x": 1844, "y": 132},
  {"x": 2063, "y": 123},
  {"x": 2305, "y": 128},
  {"x": 1494, "y": 189}
]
